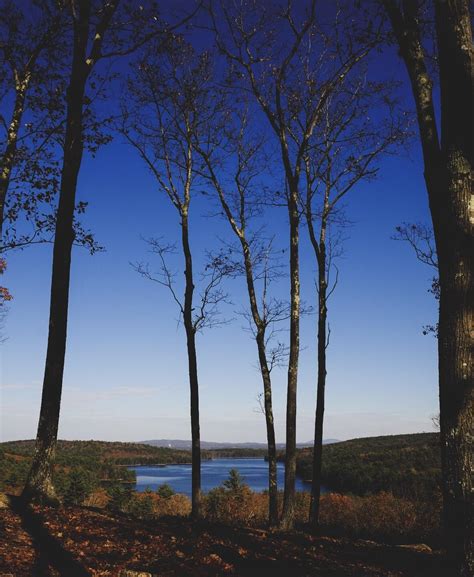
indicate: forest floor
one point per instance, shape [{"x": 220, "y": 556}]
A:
[{"x": 81, "y": 542}]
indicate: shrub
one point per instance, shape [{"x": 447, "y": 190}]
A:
[
  {"x": 240, "y": 506},
  {"x": 383, "y": 517},
  {"x": 235, "y": 483},
  {"x": 141, "y": 505},
  {"x": 165, "y": 491},
  {"x": 338, "y": 512},
  {"x": 79, "y": 485},
  {"x": 232, "y": 502},
  {"x": 120, "y": 497},
  {"x": 98, "y": 498},
  {"x": 177, "y": 504}
]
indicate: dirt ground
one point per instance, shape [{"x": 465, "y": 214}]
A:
[{"x": 81, "y": 542}]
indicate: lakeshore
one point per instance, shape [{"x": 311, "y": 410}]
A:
[{"x": 254, "y": 472}]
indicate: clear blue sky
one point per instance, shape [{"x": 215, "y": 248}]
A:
[{"x": 126, "y": 369}]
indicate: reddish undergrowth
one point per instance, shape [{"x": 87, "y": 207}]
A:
[{"x": 105, "y": 544}]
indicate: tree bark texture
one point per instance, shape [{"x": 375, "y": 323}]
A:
[
  {"x": 39, "y": 486},
  {"x": 454, "y": 232},
  {"x": 449, "y": 175},
  {"x": 288, "y": 514},
  {"x": 8, "y": 159}
]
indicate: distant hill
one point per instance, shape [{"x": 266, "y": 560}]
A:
[
  {"x": 406, "y": 465},
  {"x": 181, "y": 444},
  {"x": 112, "y": 452},
  {"x": 103, "y": 460}
]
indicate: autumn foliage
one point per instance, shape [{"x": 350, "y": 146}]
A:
[
  {"x": 4, "y": 292},
  {"x": 381, "y": 517}
]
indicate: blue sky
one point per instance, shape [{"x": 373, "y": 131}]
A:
[{"x": 126, "y": 375}]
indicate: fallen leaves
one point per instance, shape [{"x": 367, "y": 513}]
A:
[
  {"x": 107, "y": 545},
  {"x": 17, "y": 551}
]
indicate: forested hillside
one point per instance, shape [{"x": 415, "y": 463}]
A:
[
  {"x": 100, "y": 459},
  {"x": 406, "y": 465},
  {"x": 113, "y": 452},
  {"x": 237, "y": 453}
]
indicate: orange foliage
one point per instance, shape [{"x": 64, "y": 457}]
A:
[
  {"x": 97, "y": 498},
  {"x": 4, "y": 293},
  {"x": 243, "y": 507},
  {"x": 178, "y": 505},
  {"x": 382, "y": 516}
]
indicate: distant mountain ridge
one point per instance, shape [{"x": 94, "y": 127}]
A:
[{"x": 211, "y": 445}]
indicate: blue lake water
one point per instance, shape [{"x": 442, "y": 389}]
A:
[{"x": 213, "y": 474}]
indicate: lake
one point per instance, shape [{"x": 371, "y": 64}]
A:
[{"x": 213, "y": 474}]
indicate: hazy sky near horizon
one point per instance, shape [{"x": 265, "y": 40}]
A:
[{"x": 126, "y": 369}]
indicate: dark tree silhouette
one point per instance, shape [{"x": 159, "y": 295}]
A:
[
  {"x": 448, "y": 170},
  {"x": 170, "y": 95},
  {"x": 290, "y": 59},
  {"x": 125, "y": 30},
  {"x": 234, "y": 162},
  {"x": 346, "y": 146},
  {"x": 31, "y": 118}
]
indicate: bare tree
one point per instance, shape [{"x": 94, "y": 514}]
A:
[
  {"x": 170, "y": 96},
  {"x": 99, "y": 31},
  {"x": 290, "y": 62},
  {"x": 346, "y": 146},
  {"x": 448, "y": 169},
  {"x": 233, "y": 165}
]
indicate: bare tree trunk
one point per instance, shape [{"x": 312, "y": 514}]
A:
[
  {"x": 456, "y": 379},
  {"x": 39, "y": 485},
  {"x": 454, "y": 231},
  {"x": 288, "y": 514},
  {"x": 448, "y": 176},
  {"x": 449, "y": 184},
  {"x": 10, "y": 151},
  {"x": 260, "y": 338},
  {"x": 193, "y": 372},
  {"x": 266, "y": 378},
  {"x": 321, "y": 387},
  {"x": 271, "y": 442}
]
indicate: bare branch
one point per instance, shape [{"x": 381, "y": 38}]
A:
[
  {"x": 421, "y": 238},
  {"x": 164, "y": 276}
]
